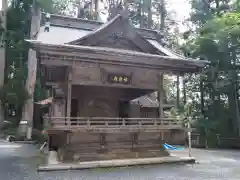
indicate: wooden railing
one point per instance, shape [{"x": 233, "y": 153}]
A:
[{"x": 86, "y": 123}]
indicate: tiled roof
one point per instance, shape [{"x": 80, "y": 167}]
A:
[
  {"x": 65, "y": 30},
  {"x": 149, "y": 100}
]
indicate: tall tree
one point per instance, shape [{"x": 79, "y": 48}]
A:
[
  {"x": 217, "y": 41},
  {"x": 13, "y": 93},
  {"x": 204, "y": 10},
  {"x": 2, "y": 53}
]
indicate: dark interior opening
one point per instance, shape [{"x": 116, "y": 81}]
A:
[
  {"x": 123, "y": 109},
  {"x": 74, "y": 111}
]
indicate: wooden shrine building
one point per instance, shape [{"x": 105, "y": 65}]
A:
[{"x": 97, "y": 72}]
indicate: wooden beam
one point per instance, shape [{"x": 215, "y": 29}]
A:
[
  {"x": 114, "y": 60},
  {"x": 131, "y": 57}
]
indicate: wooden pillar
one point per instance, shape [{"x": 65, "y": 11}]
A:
[
  {"x": 178, "y": 92},
  {"x": 102, "y": 137},
  {"x": 160, "y": 99},
  {"x": 134, "y": 137},
  {"x": 160, "y": 95},
  {"x": 69, "y": 93},
  {"x": 184, "y": 90},
  {"x": 58, "y": 108}
]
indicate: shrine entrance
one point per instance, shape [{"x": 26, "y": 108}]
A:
[
  {"x": 74, "y": 111},
  {"x": 123, "y": 108}
]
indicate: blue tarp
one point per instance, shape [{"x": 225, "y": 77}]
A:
[{"x": 169, "y": 147}]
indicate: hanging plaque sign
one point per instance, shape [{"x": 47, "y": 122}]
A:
[{"x": 119, "y": 79}]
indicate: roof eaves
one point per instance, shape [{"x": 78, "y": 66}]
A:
[{"x": 165, "y": 59}]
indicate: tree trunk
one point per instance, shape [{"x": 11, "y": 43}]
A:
[
  {"x": 150, "y": 14},
  {"x": 27, "y": 114},
  {"x": 92, "y": 9},
  {"x": 97, "y": 15},
  {"x": 202, "y": 96},
  {"x": 162, "y": 14},
  {"x": 2, "y": 56},
  {"x": 141, "y": 14},
  {"x": 235, "y": 90}
]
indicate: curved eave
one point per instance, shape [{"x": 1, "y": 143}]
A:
[{"x": 120, "y": 56}]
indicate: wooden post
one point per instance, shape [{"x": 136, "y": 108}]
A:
[
  {"x": 27, "y": 114},
  {"x": 69, "y": 94},
  {"x": 160, "y": 96},
  {"x": 160, "y": 100},
  {"x": 2, "y": 54},
  {"x": 178, "y": 92},
  {"x": 184, "y": 90}
]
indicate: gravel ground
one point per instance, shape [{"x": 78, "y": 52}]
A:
[{"x": 17, "y": 162}]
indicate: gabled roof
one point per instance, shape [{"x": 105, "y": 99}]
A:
[
  {"x": 73, "y": 30},
  {"x": 150, "y": 101},
  {"x": 95, "y": 32},
  {"x": 82, "y": 35},
  {"x": 120, "y": 27}
]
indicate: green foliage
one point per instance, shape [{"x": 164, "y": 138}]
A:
[
  {"x": 203, "y": 11},
  {"x": 13, "y": 94},
  {"x": 216, "y": 40}
]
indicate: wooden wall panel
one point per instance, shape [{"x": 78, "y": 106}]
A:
[
  {"x": 84, "y": 138},
  {"x": 134, "y": 110},
  {"x": 85, "y": 73},
  {"x": 148, "y": 136},
  {"x": 145, "y": 78},
  {"x": 96, "y": 74},
  {"x": 111, "y": 138}
]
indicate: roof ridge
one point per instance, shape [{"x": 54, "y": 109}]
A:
[
  {"x": 94, "y": 22},
  {"x": 101, "y": 27},
  {"x": 73, "y": 18}
]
